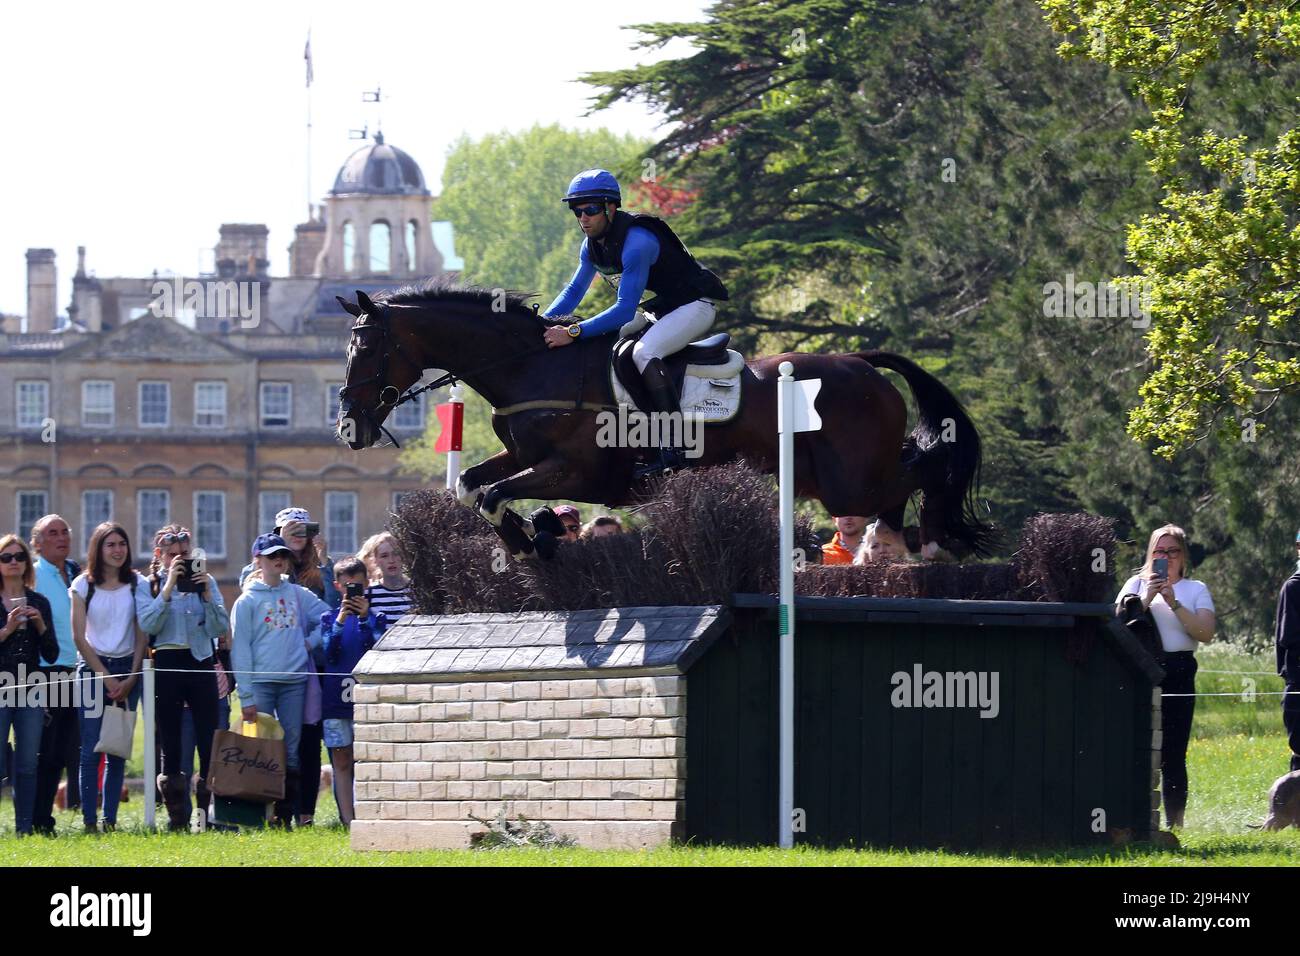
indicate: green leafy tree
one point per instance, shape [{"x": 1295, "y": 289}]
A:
[
  {"x": 1220, "y": 261},
  {"x": 502, "y": 193}
]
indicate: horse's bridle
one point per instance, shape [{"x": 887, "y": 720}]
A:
[
  {"x": 391, "y": 346},
  {"x": 389, "y": 395}
]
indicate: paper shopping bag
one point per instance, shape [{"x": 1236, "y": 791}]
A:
[
  {"x": 251, "y": 768},
  {"x": 116, "y": 731}
]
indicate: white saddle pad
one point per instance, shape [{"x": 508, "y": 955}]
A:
[{"x": 709, "y": 392}]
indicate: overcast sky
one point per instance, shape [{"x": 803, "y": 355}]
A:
[{"x": 137, "y": 129}]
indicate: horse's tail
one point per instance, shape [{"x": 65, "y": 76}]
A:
[{"x": 944, "y": 444}]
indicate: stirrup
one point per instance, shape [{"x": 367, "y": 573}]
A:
[{"x": 670, "y": 460}]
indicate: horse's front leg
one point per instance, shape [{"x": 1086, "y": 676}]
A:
[
  {"x": 547, "y": 479},
  {"x": 474, "y": 481}
]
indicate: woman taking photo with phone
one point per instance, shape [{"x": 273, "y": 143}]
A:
[
  {"x": 1183, "y": 612},
  {"x": 26, "y": 636},
  {"x": 183, "y": 615},
  {"x": 110, "y": 649}
]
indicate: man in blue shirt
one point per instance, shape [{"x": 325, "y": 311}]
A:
[
  {"x": 61, "y": 739},
  {"x": 635, "y": 253}
]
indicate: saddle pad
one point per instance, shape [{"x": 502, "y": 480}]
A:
[{"x": 709, "y": 392}]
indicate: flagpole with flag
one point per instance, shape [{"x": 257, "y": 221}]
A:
[
  {"x": 306, "y": 55},
  {"x": 796, "y": 411}
]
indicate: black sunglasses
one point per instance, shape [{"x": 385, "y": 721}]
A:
[
  {"x": 595, "y": 209},
  {"x": 170, "y": 538},
  {"x": 20, "y": 557}
]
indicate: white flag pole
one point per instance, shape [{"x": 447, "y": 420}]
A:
[{"x": 786, "y": 427}]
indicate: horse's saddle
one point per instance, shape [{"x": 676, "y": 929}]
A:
[{"x": 706, "y": 375}]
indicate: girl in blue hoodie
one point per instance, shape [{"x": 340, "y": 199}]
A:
[{"x": 273, "y": 624}]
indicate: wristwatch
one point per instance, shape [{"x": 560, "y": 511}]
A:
[
  {"x": 574, "y": 330},
  {"x": 1176, "y": 605}
]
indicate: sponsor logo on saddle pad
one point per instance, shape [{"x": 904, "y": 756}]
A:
[{"x": 710, "y": 393}]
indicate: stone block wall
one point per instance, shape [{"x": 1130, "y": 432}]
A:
[{"x": 601, "y": 759}]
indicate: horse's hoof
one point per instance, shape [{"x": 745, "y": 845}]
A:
[
  {"x": 544, "y": 520},
  {"x": 546, "y": 544}
]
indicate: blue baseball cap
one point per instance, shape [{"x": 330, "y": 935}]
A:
[{"x": 269, "y": 544}]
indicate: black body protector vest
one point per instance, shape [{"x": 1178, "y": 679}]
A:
[{"x": 675, "y": 277}]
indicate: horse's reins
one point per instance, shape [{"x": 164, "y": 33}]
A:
[{"x": 393, "y": 345}]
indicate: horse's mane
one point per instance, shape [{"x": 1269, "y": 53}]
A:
[{"x": 443, "y": 289}]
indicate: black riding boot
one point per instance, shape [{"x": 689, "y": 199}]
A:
[
  {"x": 176, "y": 797},
  {"x": 664, "y": 398}
]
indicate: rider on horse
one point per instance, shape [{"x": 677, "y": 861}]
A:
[{"x": 636, "y": 252}]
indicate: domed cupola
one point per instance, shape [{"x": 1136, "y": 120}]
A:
[
  {"x": 377, "y": 219},
  {"x": 380, "y": 169}
]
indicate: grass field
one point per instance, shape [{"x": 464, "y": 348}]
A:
[{"x": 1238, "y": 749}]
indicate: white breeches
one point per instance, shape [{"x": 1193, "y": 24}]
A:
[{"x": 676, "y": 330}]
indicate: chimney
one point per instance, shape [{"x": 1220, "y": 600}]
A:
[
  {"x": 308, "y": 241},
  {"x": 87, "y": 297},
  {"x": 241, "y": 250},
  {"x": 41, "y": 289}
]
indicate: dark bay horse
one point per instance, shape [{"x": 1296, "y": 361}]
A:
[{"x": 546, "y": 404}]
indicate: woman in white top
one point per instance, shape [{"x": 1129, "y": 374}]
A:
[
  {"x": 110, "y": 650},
  {"x": 1184, "y": 615}
]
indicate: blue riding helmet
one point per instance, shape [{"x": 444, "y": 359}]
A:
[{"x": 594, "y": 184}]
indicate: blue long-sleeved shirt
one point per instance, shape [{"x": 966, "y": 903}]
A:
[
  {"x": 268, "y": 628},
  {"x": 640, "y": 252},
  {"x": 187, "y": 619},
  {"x": 344, "y": 645}
]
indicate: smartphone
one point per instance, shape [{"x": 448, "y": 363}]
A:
[
  {"x": 1160, "y": 567},
  {"x": 356, "y": 590},
  {"x": 185, "y": 583},
  {"x": 313, "y": 529}
]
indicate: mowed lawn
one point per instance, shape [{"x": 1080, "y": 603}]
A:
[{"x": 1236, "y": 753}]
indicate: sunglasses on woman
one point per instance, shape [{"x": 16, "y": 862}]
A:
[
  {"x": 20, "y": 557},
  {"x": 595, "y": 209},
  {"x": 170, "y": 538}
]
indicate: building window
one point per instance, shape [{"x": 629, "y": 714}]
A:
[
  {"x": 411, "y": 231},
  {"x": 276, "y": 401},
  {"x": 155, "y": 404},
  {"x": 341, "y": 521},
  {"x": 154, "y": 508},
  {"x": 270, "y": 504},
  {"x": 410, "y": 415},
  {"x": 97, "y": 404},
  {"x": 32, "y": 400},
  {"x": 381, "y": 247},
  {"x": 96, "y": 508},
  {"x": 31, "y": 507},
  {"x": 349, "y": 248},
  {"x": 210, "y": 522},
  {"x": 332, "y": 402},
  {"x": 210, "y": 404}
]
